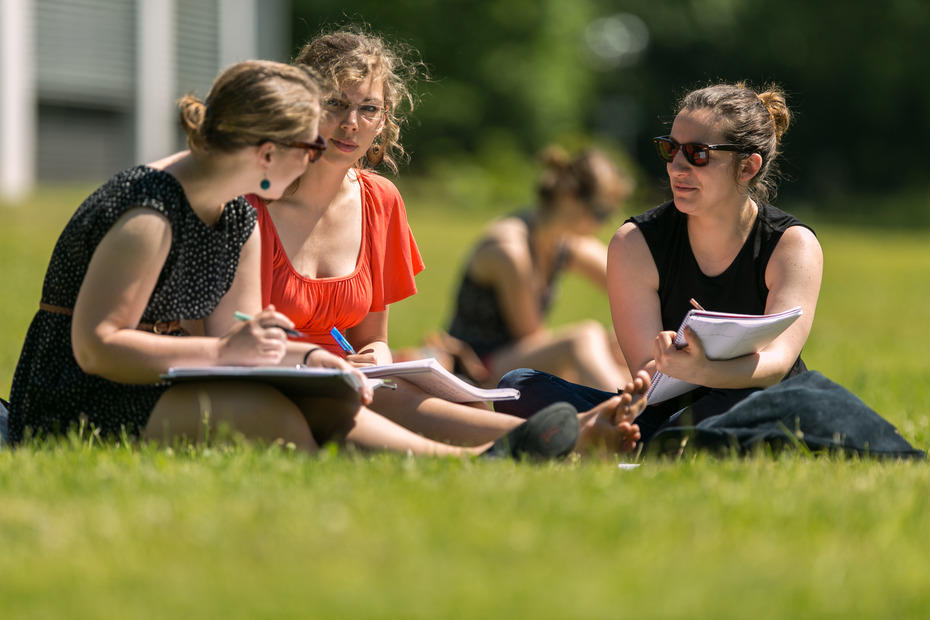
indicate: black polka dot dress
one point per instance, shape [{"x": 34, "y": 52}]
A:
[{"x": 50, "y": 392}]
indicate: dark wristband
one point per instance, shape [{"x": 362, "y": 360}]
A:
[{"x": 307, "y": 355}]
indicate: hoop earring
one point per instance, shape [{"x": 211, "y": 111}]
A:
[
  {"x": 374, "y": 154},
  {"x": 265, "y": 184}
]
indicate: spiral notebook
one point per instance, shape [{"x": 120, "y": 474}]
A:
[{"x": 724, "y": 336}]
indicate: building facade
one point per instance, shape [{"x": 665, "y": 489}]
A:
[{"x": 88, "y": 87}]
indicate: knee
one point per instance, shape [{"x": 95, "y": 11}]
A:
[
  {"x": 520, "y": 378},
  {"x": 271, "y": 416},
  {"x": 537, "y": 390},
  {"x": 587, "y": 336},
  {"x": 290, "y": 426},
  {"x": 526, "y": 381},
  {"x": 329, "y": 419},
  {"x": 256, "y": 411}
]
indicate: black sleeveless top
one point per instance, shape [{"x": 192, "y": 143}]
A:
[
  {"x": 740, "y": 288},
  {"x": 478, "y": 318}
]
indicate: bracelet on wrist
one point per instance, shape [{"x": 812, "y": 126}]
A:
[{"x": 306, "y": 357}]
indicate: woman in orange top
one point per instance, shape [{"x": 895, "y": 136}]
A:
[
  {"x": 337, "y": 250},
  {"x": 385, "y": 260}
]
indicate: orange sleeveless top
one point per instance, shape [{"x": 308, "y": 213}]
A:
[{"x": 384, "y": 273}]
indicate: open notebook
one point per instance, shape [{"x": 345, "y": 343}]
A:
[
  {"x": 429, "y": 375},
  {"x": 724, "y": 336},
  {"x": 426, "y": 373},
  {"x": 291, "y": 380}
]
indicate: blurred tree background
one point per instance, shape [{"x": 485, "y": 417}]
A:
[{"x": 509, "y": 76}]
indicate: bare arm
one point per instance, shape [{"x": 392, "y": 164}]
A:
[
  {"x": 244, "y": 294},
  {"x": 117, "y": 286},
  {"x": 793, "y": 277},
  {"x": 370, "y": 340},
  {"x": 633, "y": 292},
  {"x": 588, "y": 256},
  {"x": 503, "y": 262}
]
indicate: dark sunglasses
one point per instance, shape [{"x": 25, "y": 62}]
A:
[
  {"x": 314, "y": 149},
  {"x": 696, "y": 153}
]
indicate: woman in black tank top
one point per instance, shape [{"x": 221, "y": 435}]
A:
[{"x": 717, "y": 242}]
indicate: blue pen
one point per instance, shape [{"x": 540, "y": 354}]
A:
[{"x": 341, "y": 341}]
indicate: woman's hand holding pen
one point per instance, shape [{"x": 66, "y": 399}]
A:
[
  {"x": 685, "y": 363},
  {"x": 682, "y": 362},
  {"x": 258, "y": 341},
  {"x": 321, "y": 358},
  {"x": 365, "y": 358}
]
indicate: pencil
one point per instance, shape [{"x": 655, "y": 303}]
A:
[{"x": 242, "y": 316}]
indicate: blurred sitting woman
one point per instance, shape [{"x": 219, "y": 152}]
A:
[
  {"x": 719, "y": 242},
  {"x": 510, "y": 277}
]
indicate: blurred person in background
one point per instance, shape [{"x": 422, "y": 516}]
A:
[{"x": 510, "y": 277}]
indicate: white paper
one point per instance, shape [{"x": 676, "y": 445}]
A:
[
  {"x": 300, "y": 380},
  {"x": 429, "y": 375},
  {"x": 724, "y": 336}
]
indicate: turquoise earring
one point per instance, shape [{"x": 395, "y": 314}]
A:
[{"x": 265, "y": 184}]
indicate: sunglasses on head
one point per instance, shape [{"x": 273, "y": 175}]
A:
[
  {"x": 696, "y": 153},
  {"x": 314, "y": 149}
]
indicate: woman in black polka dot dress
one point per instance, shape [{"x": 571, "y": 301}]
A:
[{"x": 169, "y": 249}]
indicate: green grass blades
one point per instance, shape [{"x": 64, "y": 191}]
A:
[
  {"x": 249, "y": 532},
  {"x": 91, "y": 530}
]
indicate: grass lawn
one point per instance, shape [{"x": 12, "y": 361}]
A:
[{"x": 239, "y": 531}]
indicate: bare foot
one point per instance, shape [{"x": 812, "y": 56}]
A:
[{"x": 608, "y": 428}]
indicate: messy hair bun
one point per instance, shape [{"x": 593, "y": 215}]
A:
[
  {"x": 249, "y": 103},
  {"x": 192, "y": 112},
  {"x": 555, "y": 162},
  {"x": 590, "y": 175},
  {"x": 774, "y": 102}
]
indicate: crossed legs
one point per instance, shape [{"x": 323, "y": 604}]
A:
[
  {"x": 606, "y": 422},
  {"x": 258, "y": 411}
]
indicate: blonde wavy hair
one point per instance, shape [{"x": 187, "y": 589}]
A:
[{"x": 350, "y": 55}]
